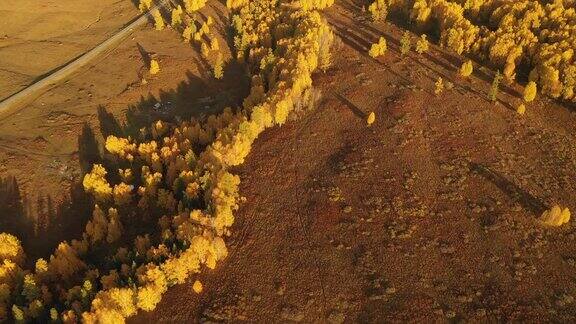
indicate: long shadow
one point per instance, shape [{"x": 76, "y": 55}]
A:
[
  {"x": 13, "y": 218},
  {"x": 350, "y": 36},
  {"x": 88, "y": 149},
  {"x": 42, "y": 221},
  {"x": 108, "y": 123},
  {"x": 146, "y": 57},
  {"x": 528, "y": 201},
  {"x": 454, "y": 61},
  {"x": 357, "y": 111},
  {"x": 194, "y": 97},
  {"x": 39, "y": 222}
]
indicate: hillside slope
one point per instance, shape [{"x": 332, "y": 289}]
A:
[{"x": 429, "y": 214}]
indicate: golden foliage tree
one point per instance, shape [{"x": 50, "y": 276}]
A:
[
  {"x": 466, "y": 69},
  {"x": 405, "y": 43},
  {"x": 556, "y": 216},
  {"x": 11, "y": 249},
  {"x": 422, "y": 44},
  {"x": 378, "y": 49},
  {"x": 530, "y": 91}
]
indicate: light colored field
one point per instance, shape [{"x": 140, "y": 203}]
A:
[{"x": 37, "y": 37}]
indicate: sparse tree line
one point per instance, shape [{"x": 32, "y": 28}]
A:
[
  {"x": 508, "y": 34},
  {"x": 540, "y": 36},
  {"x": 193, "y": 31},
  {"x": 173, "y": 175}
]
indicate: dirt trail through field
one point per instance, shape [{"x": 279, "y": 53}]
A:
[
  {"x": 61, "y": 73},
  {"x": 428, "y": 215}
]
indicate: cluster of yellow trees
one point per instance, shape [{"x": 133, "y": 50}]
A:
[
  {"x": 177, "y": 177},
  {"x": 536, "y": 34},
  {"x": 183, "y": 22}
]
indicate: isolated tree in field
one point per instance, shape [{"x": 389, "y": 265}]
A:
[
  {"x": 466, "y": 69},
  {"x": 493, "y": 95},
  {"x": 378, "y": 49},
  {"x": 530, "y": 91},
  {"x": 439, "y": 86},
  {"x": 521, "y": 109},
  {"x": 405, "y": 43},
  {"x": 555, "y": 216},
  {"x": 422, "y": 44},
  {"x": 197, "y": 286},
  {"x": 371, "y": 118},
  {"x": 154, "y": 67}
]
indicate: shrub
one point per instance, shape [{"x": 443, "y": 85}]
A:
[
  {"x": 439, "y": 86},
  {"x": 556, "y": 216},
  {"x": 521, "y": 109},
  {"x": 197, "y": 287},
  {"x": 371, "y": 118}
]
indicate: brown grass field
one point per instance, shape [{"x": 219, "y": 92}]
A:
[{"x": 429, "y": 215}]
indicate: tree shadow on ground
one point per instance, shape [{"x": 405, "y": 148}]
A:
[
  {"x": 363, "y": 34},
  {"x": 512, "y": 190},
  {"x": 452, "y": 60},
  {"x": 194, "y": 97},
  {"x": 41, "y": 223}
]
